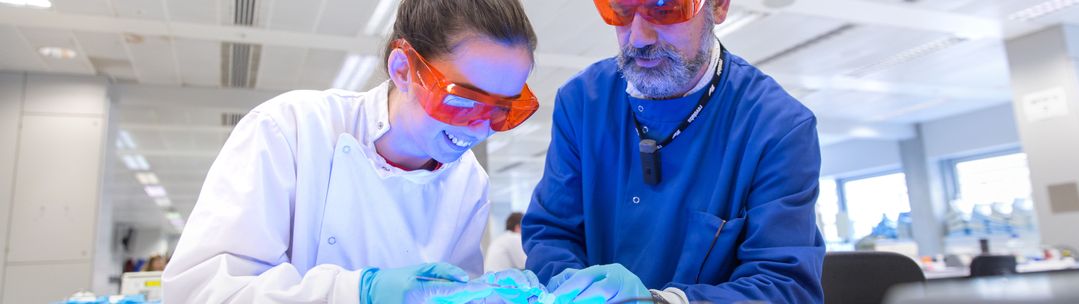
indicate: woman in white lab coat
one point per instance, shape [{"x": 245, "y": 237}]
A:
[{"x": 343, "y": 197}]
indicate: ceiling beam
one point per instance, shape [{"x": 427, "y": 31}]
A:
[
  {"x": 844, "y": 83},
  {"x": 226, "y": 33},
  {"x": 885, "y": 14}
]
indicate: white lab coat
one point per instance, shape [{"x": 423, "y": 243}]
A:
[
  {"x": 298, "y": 202},
  {"x": 505, "y": 252}
]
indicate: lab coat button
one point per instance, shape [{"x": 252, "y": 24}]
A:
[
  {"x": 380, "y": 125},
  {"x": 636, "y": 200},
  {"x": 347, "y": 149},
  {"x": 332, "y": 240}
]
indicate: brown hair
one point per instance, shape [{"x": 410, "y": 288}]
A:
[
  {"x": 428, "y": 25},
  {"x": 513, "y": 220}
]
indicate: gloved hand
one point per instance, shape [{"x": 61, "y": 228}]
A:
[
  {"x": 611, "y": 283},
  {"x": 560, "y": 278},
  {"x": 403, "y": 285}
]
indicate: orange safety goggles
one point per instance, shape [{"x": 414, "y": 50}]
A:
[
  {"x": 663, "y": 12},
  {"x": 460, "y": 105}
]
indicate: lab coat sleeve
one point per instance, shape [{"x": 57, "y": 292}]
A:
[
  {"x": 553, "y": 228},
  {"x": 468, "y": 254},
  {"x": 782, "y": 253},
  {"x": 235, "y": 246}
]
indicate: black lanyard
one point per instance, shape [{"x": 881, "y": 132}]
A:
[{"x": 650, "y": 148}]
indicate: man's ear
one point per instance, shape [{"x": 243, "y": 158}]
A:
[
  {"x": 719, "y": 11},
  {"x": 397, "y": 66}
]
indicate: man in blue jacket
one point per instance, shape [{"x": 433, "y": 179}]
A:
[{"x": 676, "y": 172}]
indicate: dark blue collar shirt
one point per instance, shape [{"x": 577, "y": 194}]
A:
[{"x": 732, "y": 217}]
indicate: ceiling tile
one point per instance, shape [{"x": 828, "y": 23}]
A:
[
  {"x": 200, "y": 62},
  {"x": 16, "y": 53},
  {"x": 153, "y": 59}
]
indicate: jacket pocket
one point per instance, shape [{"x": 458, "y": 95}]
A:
[{"x": 710, "y": 249}]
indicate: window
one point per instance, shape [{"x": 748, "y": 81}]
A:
[
  {"x": 991, "y": 195},
  {"x": 828, "y": 211},
  {"x": 995, "y": 179},
  {"x": 869, "y": 199}
]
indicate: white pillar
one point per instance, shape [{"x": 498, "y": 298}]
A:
[
  {"x": 927, "y": 206},
  {"x": 51, "y": 184},
  {"x": 1045, "y": 83}
]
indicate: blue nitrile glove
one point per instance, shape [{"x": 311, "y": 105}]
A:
[
  {"x": 405, "y": 285},
  {"x": 512, "y": 285},
  {"x": 611, "y": 283},
  {"x": 561, "y": 277}
]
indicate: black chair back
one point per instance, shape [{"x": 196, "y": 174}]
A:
[
  {"x": 865, "y": 276},
  {"x": 992, "y": 265}
]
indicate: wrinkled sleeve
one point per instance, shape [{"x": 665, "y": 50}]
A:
[
  {"x": 783, "y": 252},
  {"x": 552, "y": 230},
  {"x": 235, "y": 247}
]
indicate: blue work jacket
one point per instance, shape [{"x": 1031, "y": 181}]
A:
[{"x": 733, "y": 216}]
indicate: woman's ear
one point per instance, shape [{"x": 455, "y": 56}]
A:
[
  {"x": 719, "y": 12},
  {"x": 397, "y": 64}
]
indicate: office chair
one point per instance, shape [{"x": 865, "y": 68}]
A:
[
  {"x": 992, "y": 265},
  {"x": 865, "y": 276}
]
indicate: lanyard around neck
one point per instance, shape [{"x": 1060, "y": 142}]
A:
[{"x": 697, "y": 111}]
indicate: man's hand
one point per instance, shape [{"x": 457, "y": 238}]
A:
[{"x": 611, "y": 283}]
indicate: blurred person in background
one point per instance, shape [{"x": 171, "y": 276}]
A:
[{"x": 505, "y": 251}]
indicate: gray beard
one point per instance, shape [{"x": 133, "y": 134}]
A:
[{"x": 668, "y": 79}]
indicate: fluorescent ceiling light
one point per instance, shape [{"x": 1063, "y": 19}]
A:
[
  {"x": 141, "y": 162},
  {"x": 124, "y": 141},
  {"x": 1041, "y": 9},
  {"x": 737, "y": 21},
  {"x": 135, "y": 162},
  {"x": 355, "y": 72},
  {"x": 155, "y": 191},
  {"x": 163, "y": 202},
  {"x": 176, "y": 220},
  {"x": 376, "y": 24},
  {"x": 29, "y": 3},
  {"x": 57, "y": 52},
  {"x": 147, "y": 178}
]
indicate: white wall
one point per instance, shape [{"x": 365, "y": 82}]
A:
[
  {"x": 986, "y": 130},
  {"x": 1042, "y": 61},
  {"x": 11, "y": 91},
  {"x": 857, "y": 157},
  {"x": 56, "y": 186}
]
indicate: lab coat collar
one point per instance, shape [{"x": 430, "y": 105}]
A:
[{"x": 377, "y": 123}]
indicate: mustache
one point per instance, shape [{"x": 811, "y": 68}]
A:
[{"x": 650, "y": 52}]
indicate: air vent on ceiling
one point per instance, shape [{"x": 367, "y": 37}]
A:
[
  {"x": 808, "y": 43},
  {"x": 240, "y": 61},
  {"x": 231, "y": 119}
]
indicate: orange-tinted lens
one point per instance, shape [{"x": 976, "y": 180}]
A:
[
  {"x": 663, "y": 12},
  {"x": 460, "y": 106}
]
